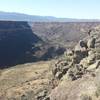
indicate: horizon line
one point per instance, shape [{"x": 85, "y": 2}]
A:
[{"x": 74, "y": 18}]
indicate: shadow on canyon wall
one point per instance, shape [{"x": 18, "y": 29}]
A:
[
  {"x": 16, "y": 41},
  {"x": 19, "y": 45}
]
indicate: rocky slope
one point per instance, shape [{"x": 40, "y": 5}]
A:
[{"x": 79, "y": 72}]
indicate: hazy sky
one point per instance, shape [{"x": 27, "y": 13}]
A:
[{"x": 57, "y": 8}]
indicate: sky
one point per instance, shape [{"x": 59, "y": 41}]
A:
[{"x": 83, "y": 9}]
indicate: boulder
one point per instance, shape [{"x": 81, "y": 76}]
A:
[
  {"x": 58, "y": 75},
  {"x": 84, "y": 62},
  {"x": 91, "y": 59},
  {"x": 60, "y": 68},
  {"x": 81, "y": 89},
  {"x": 91, "y": 42},
  {"x": 94, "y": 66},
  {"x": 69, "y": 52},
  {"x": 77, "y": 57},
  {"x": 65, "y": 69},
  {"x": 75, "y": 72},
  {"x": 61, "y": 63},
  {"x": 91, "y": 51},
  {"x": 80, "y": 51},
  {"x": 54, "y": 71},
  {"x": 81, "y": 46},
  {"x": 41, "y": 95}
]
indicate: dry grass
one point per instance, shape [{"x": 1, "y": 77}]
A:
[{"x": 16, "y": 81}]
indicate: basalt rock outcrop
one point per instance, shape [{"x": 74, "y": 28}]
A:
[
  {"x": 77, "y": 61},
  {"x": 79, "y": 79}
]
